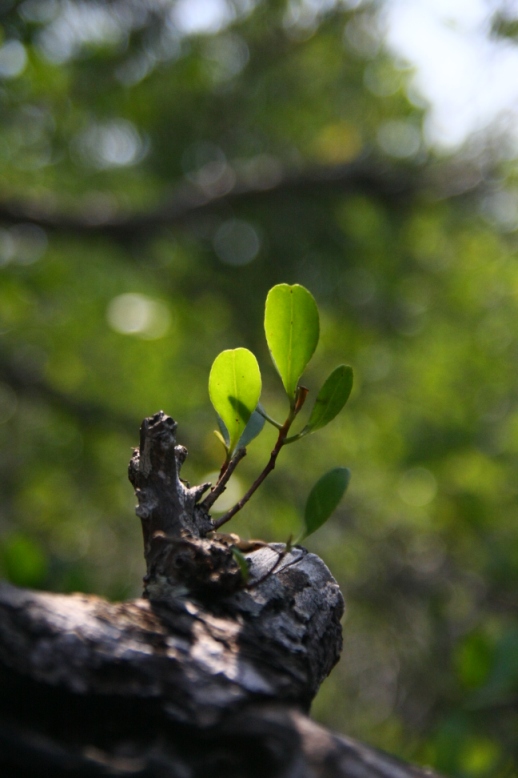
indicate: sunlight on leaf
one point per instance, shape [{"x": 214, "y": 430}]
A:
[
  {"x": 234, "y": 389},
  {"x": 291, "y": 325}
]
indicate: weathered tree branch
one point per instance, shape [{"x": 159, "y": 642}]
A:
[{"x": 204, "y": 676}]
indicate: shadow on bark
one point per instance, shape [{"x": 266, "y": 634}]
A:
[{"x": 206, "y": 675}]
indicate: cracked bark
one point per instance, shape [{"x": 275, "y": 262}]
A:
[{"x": 202, "y": 676}]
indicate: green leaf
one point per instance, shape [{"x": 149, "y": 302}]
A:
[
  {"x": 255, "y": 425},
  {"x": 324, "y": 498},
  {"x": 221, "y": 439},
  {"x": 234, "y": 390},
  {"x": 331, "y": 398},
  {"x": 223, "y": 432},
  {"x": 291, "y": 326}
]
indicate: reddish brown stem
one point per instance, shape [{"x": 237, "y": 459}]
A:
[
  {"x": 223, "y": 479},
  {"x": 283, "y": 434},
  {"x": 242, "y": 502}
]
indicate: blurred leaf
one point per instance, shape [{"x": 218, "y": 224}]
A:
[
  {"x": 503, "y": 26},
  {"x": 331, "y": 398},
  {"x": 502, "y": 681},
  {"x": 324, "y": 498},
  {"x": 24, "y": 561},
  {"x": 474, "y": 658},
  {"x": 234, "y": 389},
  {"x": 291, "y": 324},
  {"x": 480, "y": 755}
]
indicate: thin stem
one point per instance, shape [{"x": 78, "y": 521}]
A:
[
  {"x": 300, "y": 398},
  {"x": 298, "y": 436},
  {"x": 223, "y": 479},
  {"x": 257, "y": 483},
  {"x": 281, "y": 440},
  {"x": 269, "y": 419},
  {"x": 223, "y": 469}
]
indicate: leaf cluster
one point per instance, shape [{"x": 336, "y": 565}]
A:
[{"x": 292, "y": 329}]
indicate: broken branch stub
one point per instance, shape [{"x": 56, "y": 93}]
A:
[
  {"x": 295, "y": 589},
  {"x": 174, "y": 523},
  {"x": 165, "y": 502},
  {"x": 203, "y": 677}
]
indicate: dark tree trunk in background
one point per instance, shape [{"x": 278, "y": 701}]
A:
[{"x": 204, "y": 676}]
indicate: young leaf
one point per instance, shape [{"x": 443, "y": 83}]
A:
[
  {"x": 253, "y": 428},
  {"x": 221, "y": 439},
  {"x": 291, "y": 326},
  {"x": 324, "y": 498},
  {"x": 223, "y": 432},
  {"x": 331, "y": 398},
  {"x": 234, "y": 390}
]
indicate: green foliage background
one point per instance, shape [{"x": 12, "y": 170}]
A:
[{"x": 195, "y": 172}]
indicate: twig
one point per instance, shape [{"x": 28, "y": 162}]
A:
[
  {"x": 281, "y": 440},
  {"x": 257, "y": 483},
  {"x": 221, "y": 484}
]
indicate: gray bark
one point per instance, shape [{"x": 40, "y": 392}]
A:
[{"x": 206, "y": 675}]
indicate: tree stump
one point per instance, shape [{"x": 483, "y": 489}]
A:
[{"x": 206, "y": 675}]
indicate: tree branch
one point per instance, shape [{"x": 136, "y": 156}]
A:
[
  {"x": 225, "y": 475},
  {"x": 200, "y": 678},
  {"x": 300, "y": 399},
  {"x": 367, "y": 176},
  {"x": 28, "y": 382}
]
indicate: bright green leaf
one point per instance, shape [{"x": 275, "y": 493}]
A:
[
  {"x": 234, "y": 389},
  {"x": 324, "y": 498},
  {"x": 331, "y": 398},
  {"x": 291, "y": 326}
]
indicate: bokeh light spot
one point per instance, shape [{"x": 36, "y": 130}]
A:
[
  {"x": 13, "y": 59},
  {"x": 236, "y": 242},
  {"x": 193, "y": 17},
  {"x": 136, "y": 314},
  {"x": 110, "y": 144},
  {"x": 417, "y": 487},
  {"x": 399, "y": 139},
  {"x": 29, "y": 243}
]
